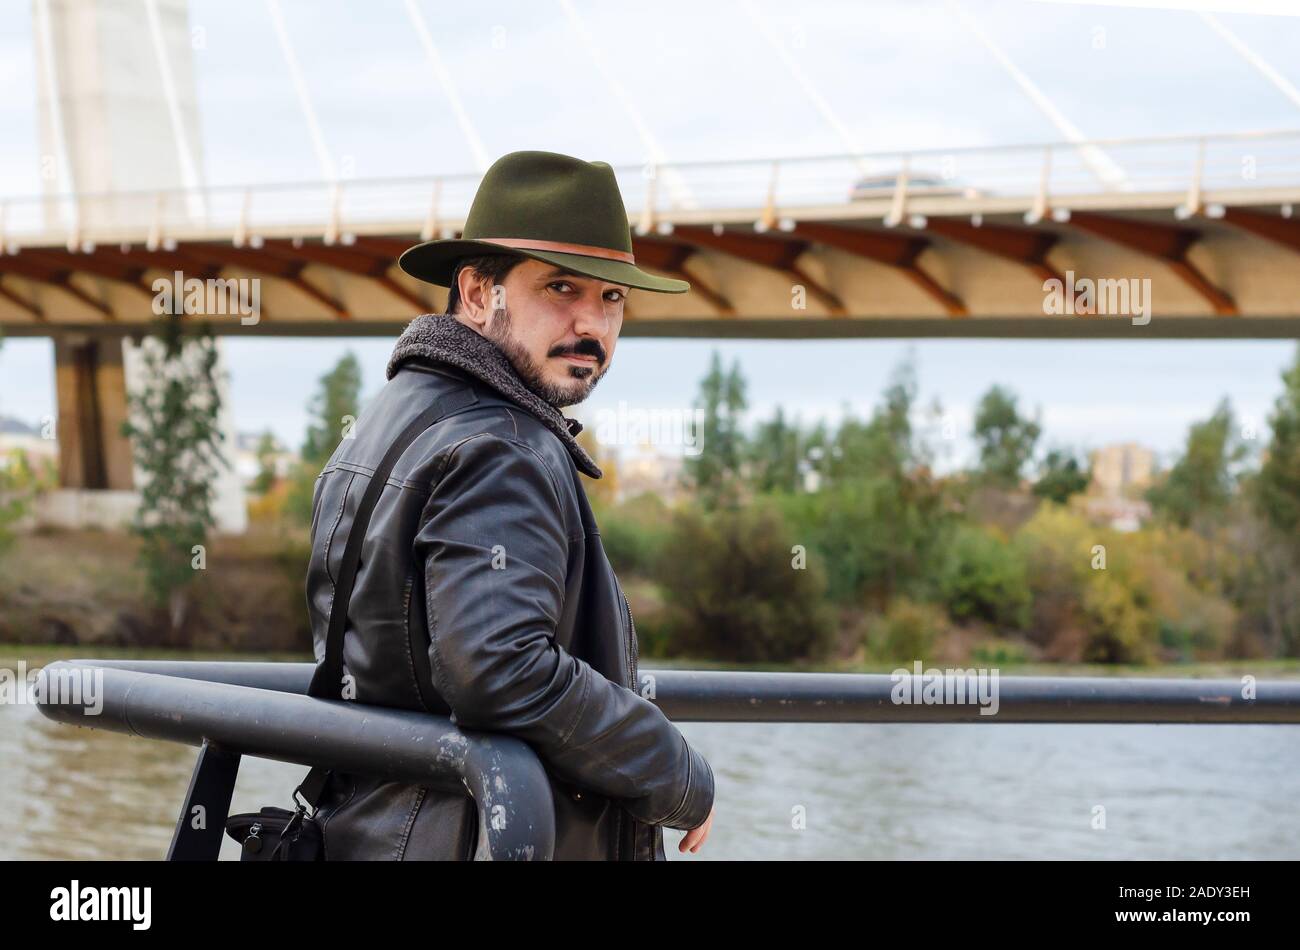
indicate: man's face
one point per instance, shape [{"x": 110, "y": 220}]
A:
[{"x": 558, "y": 330}]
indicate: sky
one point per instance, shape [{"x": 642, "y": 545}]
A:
[{"x": 731, "y": 79}]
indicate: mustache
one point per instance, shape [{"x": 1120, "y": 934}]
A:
[{"x": 584, "y": 347}]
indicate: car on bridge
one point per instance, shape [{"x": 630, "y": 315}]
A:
[{"x": 883, "y": 186}]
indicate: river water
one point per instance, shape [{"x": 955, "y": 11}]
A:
[{"x": 788, "y": 791}]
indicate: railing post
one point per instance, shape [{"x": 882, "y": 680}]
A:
[
  {"x": 1192, "y": 206},
  {"x": 207, "y": 805},
  {"x": 73, "y": 243},
  {"x": 154, "y": 239},
  {"x": 430, "y": 229},
  {"x": 651, "y": 174},
  {"x": 241, "y": 226},
  {"x": 1041, "y": 199},
  {"x": 767, "y": 220},
  {"x": 335, "y": 225},
  {"x": 899, "y": 205}
]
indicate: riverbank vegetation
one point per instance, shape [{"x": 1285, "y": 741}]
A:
[
  {"x": 847, "y": 544},
  {"x": 849, "y": 547}
]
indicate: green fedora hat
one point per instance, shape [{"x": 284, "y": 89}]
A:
[{"x": 551, "y": 208}]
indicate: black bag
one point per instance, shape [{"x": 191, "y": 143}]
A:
[{"x": 278, "y": 834}]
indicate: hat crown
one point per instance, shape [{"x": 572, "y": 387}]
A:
[{"x": 545, "y": 196}]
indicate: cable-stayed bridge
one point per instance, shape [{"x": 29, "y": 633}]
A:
[{"x": 1192, "y": 236}]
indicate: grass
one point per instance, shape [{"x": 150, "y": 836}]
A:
[
  {"x": 39, "y": 654},
  {"x": 69, "y": 587},
  {"x": 1219, "y": 669}
]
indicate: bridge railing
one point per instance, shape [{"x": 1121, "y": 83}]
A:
[
  {"x": 752, "y": 191},
  {"x": 261, "y": 709}
]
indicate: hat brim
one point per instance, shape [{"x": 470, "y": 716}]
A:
[{"x": 434, "y": 261}]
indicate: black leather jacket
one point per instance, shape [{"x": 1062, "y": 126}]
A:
[{"x": 484, "y": 593}]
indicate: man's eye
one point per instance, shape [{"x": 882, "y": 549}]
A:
[
  {"x": 614, "y": 296},
  {"x": 562, "y": 285}
]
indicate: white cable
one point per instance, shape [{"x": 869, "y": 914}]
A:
[
  {"x": 448, "y": 86},
  {"x": 189, "y": 169},
  {"x": 1097, "y": 161},
  {"x": 300, "y": 87},
  {"x": 1272, "y": 75},
  {"x": 801, "y": 78},
  {"x": 681, "y": 193},
  {"x": 49, "y": 76}
]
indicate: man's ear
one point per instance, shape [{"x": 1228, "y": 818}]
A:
[{"x": 475, "y": 297}]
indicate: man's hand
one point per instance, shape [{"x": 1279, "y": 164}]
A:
[{"x": 696, "y": 837}]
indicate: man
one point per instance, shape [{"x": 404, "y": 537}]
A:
[{"x": 483, "y": 591}]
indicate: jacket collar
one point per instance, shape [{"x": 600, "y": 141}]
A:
[{"x": 441, "y": 338}]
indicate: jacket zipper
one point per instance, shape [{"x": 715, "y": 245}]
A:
[
  {"x": 633, "y": 657},
  {"x": 632, "y": 661}
]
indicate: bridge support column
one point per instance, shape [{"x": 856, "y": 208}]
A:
[{"x": 90, "y": 385}]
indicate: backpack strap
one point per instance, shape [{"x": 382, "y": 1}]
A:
[{"x": 328, "y": 676}]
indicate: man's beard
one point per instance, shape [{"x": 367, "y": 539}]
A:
[{"x": 583, "y": 379}]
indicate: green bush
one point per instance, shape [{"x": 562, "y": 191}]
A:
[
  {"x": 998, "y": 652},
  {"x": 732, "y": 590},
  {"x": 653, "y": 631},
  {"x": 19, "y": 485},
  {"x": 633, "y": 533},
  {"x": 877, "y": 537},
  {"x": 1111, "y": 597},
  {"x": 984, "y": 578},
  {"x": 12, "y": 509},
  {"x": 906, "y": 632},
  {"x": 300, "y": 494},
  {"x": 1119, "y": 630}
]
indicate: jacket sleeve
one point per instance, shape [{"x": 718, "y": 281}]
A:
[{"x": 496, "y": 556}]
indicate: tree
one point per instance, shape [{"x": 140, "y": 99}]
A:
[
  {"x": 1006, "y": 439},
  {"x": 1277, "y": 487},
  {"x": 19, "y": 484},
  {"x": 882, "y": 446},
  {"x": 173, "y": 427},
  {"x": 336, "y": 403},
  {"x": 1199, "y": 486},
  {"x": 714, "y": 473},
  {"x": 1062, "y": 475},
  {"x": 602, "y": 491},
  {"x": 982, "y": 577},
  {"x": 774, "y": 455},
  {"x": 879, "y": 516},
  {"x": 266, "y": 474},
  {"x": 876, "y": 536}
]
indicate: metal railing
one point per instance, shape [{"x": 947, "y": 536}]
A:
[
  {"x": 505, "y": 779},
  {"x": 755, "y": 191},
  {"x": 260, "y": 709}
]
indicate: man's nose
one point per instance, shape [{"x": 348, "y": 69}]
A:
[{"x": 591, "y": 319}]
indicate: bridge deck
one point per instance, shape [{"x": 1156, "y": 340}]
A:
[{"x": 964, "y": 242}]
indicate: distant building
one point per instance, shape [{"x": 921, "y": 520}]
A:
[
  {"x": 1121, "y": 474},
  {"x": 18, "y": 436},
  {"x": 1122, "y": 471},
  {"x": 643, "y": 470},
  {"x": 247, "y": 464}
]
